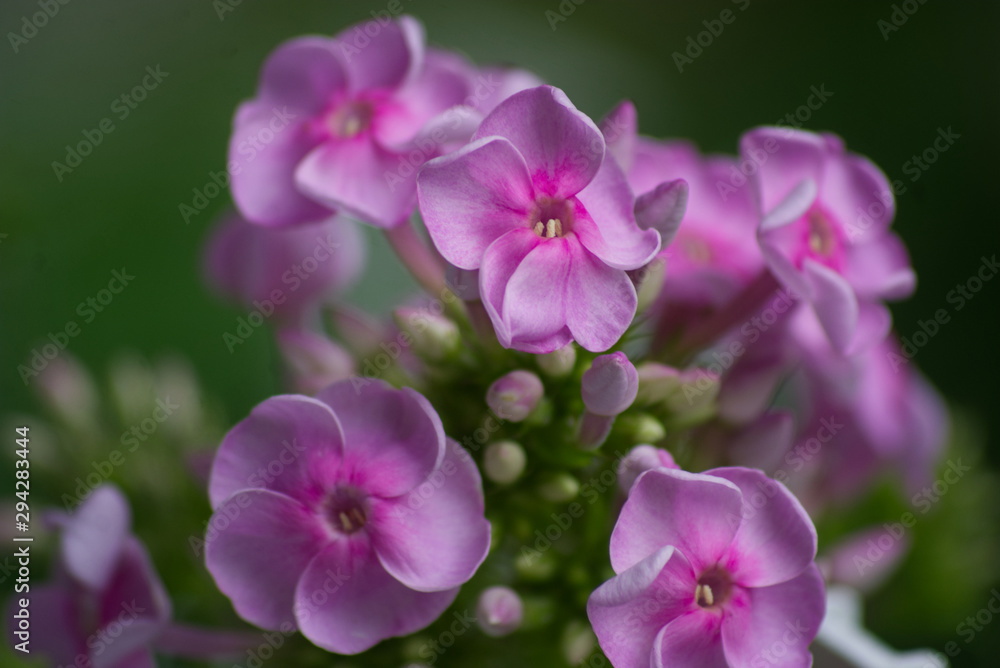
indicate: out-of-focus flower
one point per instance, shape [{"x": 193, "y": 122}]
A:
[
  {"x": 533, "y": 204},
  {"x": 499, "y": 611},
  {"x": 863, "y": 414},
  {"x": 713, "y": 570},
  {"x": 358, "y": 495},
  {"x": 844, "y": 635},
  {"x": 345, "y": 122},
  {"x": 312, "y": 360},
  {"x": 68, "y": 389},
  {"x": 713, "y": 253},
  {"x": 514, "y": 396},
  {"x": 640, "y": 459},
  {"x": 106, "y": 604},
  {"x": 288, "y": 273},
  {"x": 863, "y": 560},
  {"x": 824, "y": 230}
]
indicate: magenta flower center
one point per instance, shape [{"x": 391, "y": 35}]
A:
[
  {"x": 351, "y": 118},
  {"x": 345, "y": 510},
  {"x": 551, "y": 218},
  {"x": 714, "y": 588}
]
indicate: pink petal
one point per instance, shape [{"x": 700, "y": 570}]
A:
[
  {"x": 262, "y": 175},
  {"x": 295, "y": 440},
  {"x": 346, "y": 602},
  {"x": 628, "y": 611},
  {"x": 561, "y": 145},
  {"x": 470, "y": 198},
  {"x": 303, "y": 74},
  {"x": 385, "y": 60},
  {"x": 57, "y": 634},
  {"x": 774, "y": 625},
  {"x": 620, "y": 130},
  {"x": 137, "y": 601},
  {"x": 610, "y": 231},
  {"x": 94, "y": 536},
  {"x": 697, "y": 514},
  {"x": 360, "y": 177},
  {"x": 393, "y": 439},
  {"x": 435, "y": 537},
  {"x": 690, "y": 641},
  {"x": 534, "y": 304},
  {"x": 443, "y": 82},
  {"x": 662, "y": 209},
  {"x": 776, "y": 539},
  {"x": 600, "y": 301},
  {"x": 784, "y": 158},
  {"x": 500, "y": 261},
  {"x": 857, "y": 193},
  {"x": 834, "y": 301},
  {"x": 880, "y": 269},
  {"x": 258, "y": 556}
]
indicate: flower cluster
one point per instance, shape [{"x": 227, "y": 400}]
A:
[{"x": 579, "y": 426}]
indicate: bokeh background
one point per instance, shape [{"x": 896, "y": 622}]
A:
[{"x": 891, "y": 93}]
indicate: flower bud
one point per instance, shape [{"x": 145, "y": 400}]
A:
[
  {"x": 515, "y": 396},
  {"x": 641, "y": 428},
  {"x": 312, "y": 361},
  {"x": 503, "y": 461},
  {"x": 610, "y": 385},
  {"x": 499, "y": 611},
  {"x": 559, "y": 363},
  {"x": 69, "y": 391},
  {"x": 434, "y": 337},
  {"x": 656, "y": 382},
  {"x": 578, "y": 642},
  {"x": 640, "y": 459},
  {"x": 650, "y": 283},
  {"x": 560, "y": 488}
]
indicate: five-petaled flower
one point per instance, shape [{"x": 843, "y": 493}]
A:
[
  {"x": 358, "y": 518},
  {"x": 714, "y": 570}
]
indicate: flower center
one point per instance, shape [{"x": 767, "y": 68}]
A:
[
  {"x": 551, "y": 218},
  {"x": 344, "y": 510},
  {"x": 822, "y": 239},
  {"x": 713, "y": 589},
  {"x": 352, "y": 118}
]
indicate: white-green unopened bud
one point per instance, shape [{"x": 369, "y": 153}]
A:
[
  {"x": 434, "y": 337},
  {"x": 559, "y": 363},
  {"x": 560, "y": 488},
  {"x": 503, "y": 461},
  {"x": 651, "y": 283},
  {"x": 578, "y": 642},
  {"x": 641, "y": 427}
]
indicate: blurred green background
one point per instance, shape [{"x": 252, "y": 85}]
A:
[{"x": 891, "y": 93}]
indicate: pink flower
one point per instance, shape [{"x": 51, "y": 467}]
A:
[
  {"x": 350, "y": 516},
  {"x": 640, "y": 459},
  {"x": 287, "y": 272},
  {"x": 824, "y": 230},
  {"x": 533, "y": 204},
  {"x": 714, "y": 570},
  {"x": 335, "y": 121},
  {"x": 106, "y": 604}
]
